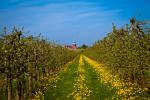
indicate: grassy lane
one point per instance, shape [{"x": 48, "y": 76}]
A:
[
  {"x": 86, "y": 79},
  {"x": 64, "y": 86},
  {"x": 81, "y": 90},
  {"x": 100, "y": 91},
  {"x": 80, "y": 82}
]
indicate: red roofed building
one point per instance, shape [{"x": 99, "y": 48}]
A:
[{"x": 73, "y": 46}]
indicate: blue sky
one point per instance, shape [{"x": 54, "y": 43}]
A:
[{"x": 64, "y": 21}]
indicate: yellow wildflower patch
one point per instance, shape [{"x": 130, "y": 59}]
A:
[{"x": 125, "y": 90}]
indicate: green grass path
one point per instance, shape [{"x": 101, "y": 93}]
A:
[{"x": 65, "y": 86}]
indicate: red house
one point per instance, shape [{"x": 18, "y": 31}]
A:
[{"x": 73, "y": 46}]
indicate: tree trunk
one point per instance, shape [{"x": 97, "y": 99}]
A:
[
  {"x": 9, "y": 87},
  {"x": 18, "y": 90},
  {"x": 44, "y": 72},
  {"x": 29, "y": 83}
]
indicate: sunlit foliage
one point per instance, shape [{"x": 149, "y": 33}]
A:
[
  {"x": 126, "y": 52},
  {"x": 25, "y": 61}
]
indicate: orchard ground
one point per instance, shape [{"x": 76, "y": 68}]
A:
[{"x": 86, "y": 79}]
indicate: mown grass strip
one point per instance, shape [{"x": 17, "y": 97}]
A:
[
  {"x": 64, "y": 86},
  {"x": 81, "y": 90}
]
